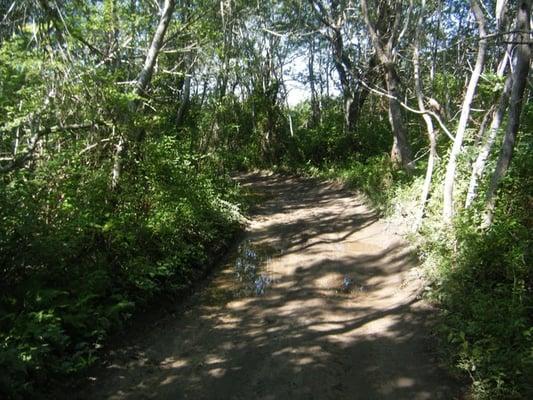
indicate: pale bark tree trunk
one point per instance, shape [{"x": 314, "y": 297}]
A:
[
  {"x": 506, "y": 59},
  {"x": 117, "y": 161},
  {"x": 427, "y": 119},
  {"x": 496, "y": 113},
  {"x": 285, "y": 92},
  {"x": 153, "y": 51},
  {"x": 449, "y": 179},
  {"x": 481, "y": 160},
  {"x": 435, "y": 48},
  {"x": 143, "y": 80},
  {"x": 483, "y": 126},
  {"x": 520, "y": 74}
]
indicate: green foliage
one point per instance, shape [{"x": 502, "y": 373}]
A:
[
  {"x": 481, "y": 280},
  {"x": 21, "y": 85},
  {"x": 484, "y": 296},
  {"x": 374, "y": 177},
  {"x": 316, "y": 145},
  {"x": 77, "y": 261}
]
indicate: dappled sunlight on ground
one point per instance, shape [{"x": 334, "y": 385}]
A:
[{"x": 337, "y": 320}]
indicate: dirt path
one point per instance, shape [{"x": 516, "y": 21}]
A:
[{"x": 338, "y": 317}]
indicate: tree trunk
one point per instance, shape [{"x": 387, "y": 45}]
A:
[
  {"x": 157, "y": 41},
  {"x": 143, "y": 80},
  {"x": 481, "y": 160},
  {"x": 117, "y": 161},
  {"x": 520, "y": 74},
  {"x": 427, "y": 119},
  {"x": 315, "y": 104},
  {"x": 347, "y": 93},
  {"x": 184, "y": 103},
  {"x": 496, "y": 113},
  {"x": 401, "y": 152},
  {"x": 449, "y": 179}
]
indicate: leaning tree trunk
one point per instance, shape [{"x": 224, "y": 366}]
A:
[
  {"x": 521, "y": 71},
  {"x": 143, "y": 80},
  {"x": 449, "y": 179},
  {"x": 497, "y": 114},
  {"x": 481, "y": 160}
]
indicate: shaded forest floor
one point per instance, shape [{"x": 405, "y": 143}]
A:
[{"x": 319, "y": 301}]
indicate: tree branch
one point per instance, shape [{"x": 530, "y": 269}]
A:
[
  {"x": 20, "y": 161},
  {"x": 415, "y": 111}
]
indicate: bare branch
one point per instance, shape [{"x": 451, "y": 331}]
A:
[
  {"x": 415, "y": 111},
  {"x": 20, "y": 161}
]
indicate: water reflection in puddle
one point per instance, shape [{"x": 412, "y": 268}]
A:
[
  {"x": 251, "y": 269},
  {"x": 350, "y": 285}
]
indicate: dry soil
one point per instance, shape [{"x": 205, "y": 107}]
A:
[{"x": 336, "y": 314}]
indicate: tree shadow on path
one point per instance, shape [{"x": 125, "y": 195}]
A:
[{"x": 308, "y": 336}]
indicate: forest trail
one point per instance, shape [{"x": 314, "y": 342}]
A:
[{"x": 336, "y": 313}]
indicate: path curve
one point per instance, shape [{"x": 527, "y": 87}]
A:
[{"x": 341, "y": 319}]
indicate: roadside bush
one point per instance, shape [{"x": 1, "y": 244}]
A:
[
  {"x": 77, "y": 260},
  {"x": 484, "y": 296},
  {"x": 480, "y": 279}
]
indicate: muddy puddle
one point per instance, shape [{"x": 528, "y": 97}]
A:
[
  {"x": 283, "y": 318},
  {"x": 251, "y": 269}
]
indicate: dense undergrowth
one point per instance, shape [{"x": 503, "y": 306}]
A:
[{"x": 78, "y": 259}]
